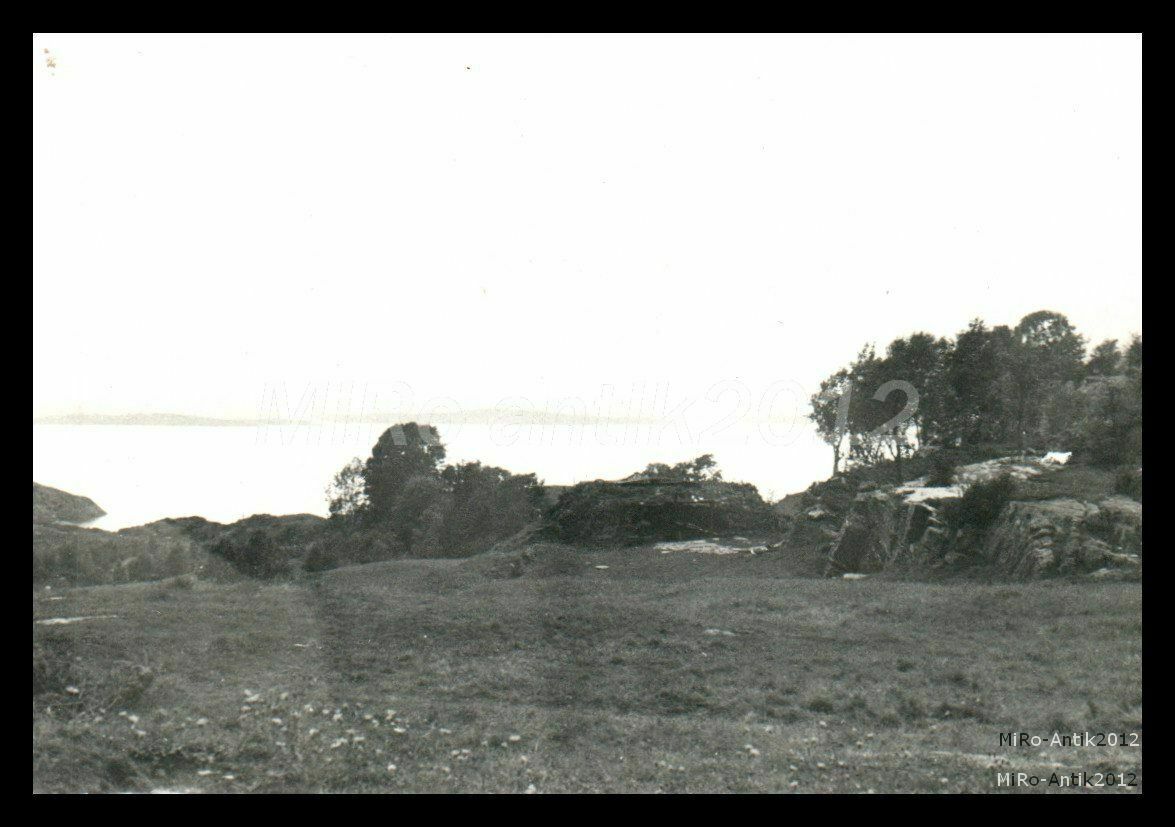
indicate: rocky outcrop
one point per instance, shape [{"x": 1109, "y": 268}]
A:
[
  {"x": 645, "y": 508},
  {"x": 906, "y": 528},
  {"x": 884, "y": 532},
  {"x": 51, "y": 505},
  {"x": 1065, "y": 536}
]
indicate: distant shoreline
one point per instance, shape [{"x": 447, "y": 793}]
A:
[
  {"x": 146, "y": 419},
  {"x": 471, "y": 417}
]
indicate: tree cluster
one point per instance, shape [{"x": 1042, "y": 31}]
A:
[
  {"x": 1026, "y": 388},
  {"x": 409, "y": 502}
]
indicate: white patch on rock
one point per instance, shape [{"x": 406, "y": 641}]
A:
[
  {"x": 917, "y": 491},
  {"x": 714, "y": 546}
]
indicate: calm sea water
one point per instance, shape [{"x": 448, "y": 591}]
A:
[{"x": 139, "y": 474}]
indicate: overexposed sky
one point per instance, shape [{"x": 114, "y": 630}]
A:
[{"x": 488, "y": 217}]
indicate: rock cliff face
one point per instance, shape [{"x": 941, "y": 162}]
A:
[
  {"x": 1066, "y": 536},
  {"x": 904, "y": 528},
  {"x": 882, "y": 532}
]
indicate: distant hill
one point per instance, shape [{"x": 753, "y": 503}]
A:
[
  {"x": 51, "y": 505},
  {"x": 140, "y": 419}
]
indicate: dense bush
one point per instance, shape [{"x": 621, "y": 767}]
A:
[
  {"x": 1109, "y": 428},
  {"x": 258, "y": 556},
  {"x": 270, "y": 547},
  {"x": 942, "y": 470},
  {"x": 980, "y": 504},
  {"x": 485, "y": 504},
  {"x": 403, "y": 501}
]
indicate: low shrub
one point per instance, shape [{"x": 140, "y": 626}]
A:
[
  {"x": 258, "y": 556},
  {"x": 941, "y": 472},
  {"x": 980, "y": 504},
  {"x": 322, "y": 556}
]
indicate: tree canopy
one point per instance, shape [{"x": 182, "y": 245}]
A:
[
  {"x": 413, "y": 501},
  {"x": 1024, "y": 387}
]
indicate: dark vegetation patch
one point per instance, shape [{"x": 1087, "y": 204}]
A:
[
  {"x": 1128, "y": 483},
  {"x": 976, "y": 511},
  {"x": 609, "y": 513},
  {"x": 71, "y": 555}
]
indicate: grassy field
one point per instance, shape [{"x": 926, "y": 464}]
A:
[{"x": 659, "y": 673}]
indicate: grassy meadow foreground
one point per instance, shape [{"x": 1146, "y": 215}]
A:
[{"x": 547, "y": 672}]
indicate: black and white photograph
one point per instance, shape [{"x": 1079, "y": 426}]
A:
[{"x": 544, "y": 414}]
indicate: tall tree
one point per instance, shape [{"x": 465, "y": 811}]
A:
[
  {"x": 975, "y": 367},
  {"x": 1105, "y": 359},
  {"x": 1046, "y": 352},
  {"x": 830, "y": 413},
  {"x": 347, "y": 492},
  {"x": 1133, "y": 357},
  {"x": 401, "y": 453},
  {"x": 920, "y": 359}
]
